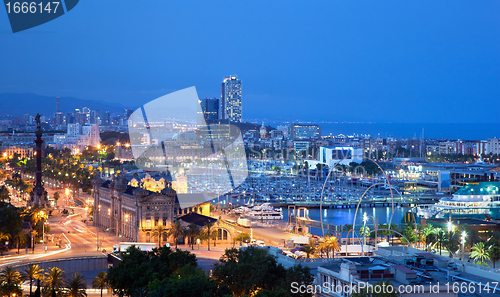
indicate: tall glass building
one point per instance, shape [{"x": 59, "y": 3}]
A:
[
  {"x": 304, "y": 131},
  {"x": 209, "y": 109},
  {"x": 231, "y": 99}
]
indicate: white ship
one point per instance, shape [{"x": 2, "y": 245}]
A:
[
  {"x": 264, "y": 211},
  {"x": 480, "y": 201}
]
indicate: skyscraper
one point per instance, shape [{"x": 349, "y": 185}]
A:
[
  {"x": 106, "y": 120},
  {"x": 95, "y": 117},
  {"x": 231, "y": 99},
  {"x": 210, "y": 109},
  {"x": 58, "y": 104}
]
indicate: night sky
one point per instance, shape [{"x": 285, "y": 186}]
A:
[{"x": 335, "y": 60}]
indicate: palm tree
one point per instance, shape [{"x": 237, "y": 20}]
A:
[
  {"x": 310, "y": 248},
  {"x": 3, "y": 238},
  {"x": 10, "y": 280},
  {"x": 21, "y": 238},
  {"x": 4, "y": 193},
  {"x": 329, "y": 244},
  {"x": 54, "y": 279},
  {"x": 177, "y": 231},
  {"x": 479, "y": 253},
  {"x": 10, "y": 276},
  {"x": 101, "y": 281},
  {"x": 213, "y": 235},
  {"x": 364, "y": 231},
  {"x": 494, "y": 254},
  {"x": 34, "y": 234},
  {"x": 158, "y": 231},
  {"x": 192, "y": 232},
  {"x": 428, "y": 235},
  {"x": 77, "y": 286},
  {"x": 32, "y": 272},
  {"x": 56, "y": 196},
  {"x": 208, "y": 228}
]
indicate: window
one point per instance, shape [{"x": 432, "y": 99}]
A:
[
  {"x": 164, "y": 221},
  {"x": 148, "y": 237},
  {"x": 156, "y": 222}
]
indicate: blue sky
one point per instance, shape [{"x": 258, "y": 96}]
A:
[{"x": 383, "y": 61}]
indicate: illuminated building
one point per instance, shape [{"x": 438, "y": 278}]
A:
[{"x": 231, "y": 99}]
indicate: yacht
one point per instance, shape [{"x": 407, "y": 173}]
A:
[
  {"x": 475, "y": 200},
  {"x": 265, "y": 211}
]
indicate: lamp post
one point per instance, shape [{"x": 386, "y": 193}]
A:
[
  {"x": 96, "y": 223},
  {"x": 365, "y": 218},
  {"x": 464, "y": 235},
  {"x": 43, "y": 236},
  {"x": 450, "y": 228}
]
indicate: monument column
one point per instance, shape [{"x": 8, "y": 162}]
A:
[{"x": 38, "y": 195}]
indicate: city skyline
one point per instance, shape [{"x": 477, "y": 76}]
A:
[
  {"x": 408, "y": 62},
  {"x": 249, "y": 148}
]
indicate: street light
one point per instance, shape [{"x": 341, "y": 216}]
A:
[
  {"x": 365, "y": 218},
  {"x": 43, "y": 236},
  {"x": 450, "y": 228},
  {"x": 464, "y": 235}
]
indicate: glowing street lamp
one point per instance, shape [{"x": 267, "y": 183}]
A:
[
  {"x": 365, "y": 219},
  {"x": 464, "y": 235}
]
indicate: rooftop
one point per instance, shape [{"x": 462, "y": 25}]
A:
[{"x": 481, "y": 188}]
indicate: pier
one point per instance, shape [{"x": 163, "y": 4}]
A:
[{"x": 375, "y": 202}]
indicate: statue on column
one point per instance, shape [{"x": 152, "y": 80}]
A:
[{"x": 38, "y": 195}]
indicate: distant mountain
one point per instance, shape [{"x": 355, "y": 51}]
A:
[{"x": 18, "y": 104}]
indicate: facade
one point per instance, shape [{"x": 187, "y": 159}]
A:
[
  {"x": 493, "y": 146},
  {"x": 263, "y": 131},
  {"x": 343, "y": 277},
  {"x": 231, "y": 99},
  {"x": 74, "y": 129},
  {"x": 330, "y": 155},
  {"x": 106, "y": 119},
  {"x": 301, "y": 145},
  {"x": 92, "y": 131},
  {"x": 210, "y": 109},
  {"x": 304, "y": 131},
  {"x": 134, "y": 212},
  {"x": 78, "y": 137},
  {"x": 24, "y": 151}
]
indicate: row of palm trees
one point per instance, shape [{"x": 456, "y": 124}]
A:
[
  {"x": 53, "y": 281},
  {"x": 192, "y": 232},
  {"x": 480, "y": 251},
  {"x": 325, "y": 246}
]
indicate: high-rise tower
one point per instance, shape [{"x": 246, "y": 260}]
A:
[
  {"x": 209, "y": 109},
  {"x": 231, "y": 99}
]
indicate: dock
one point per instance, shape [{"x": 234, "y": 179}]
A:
[{"x": 375, "y": 202}]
